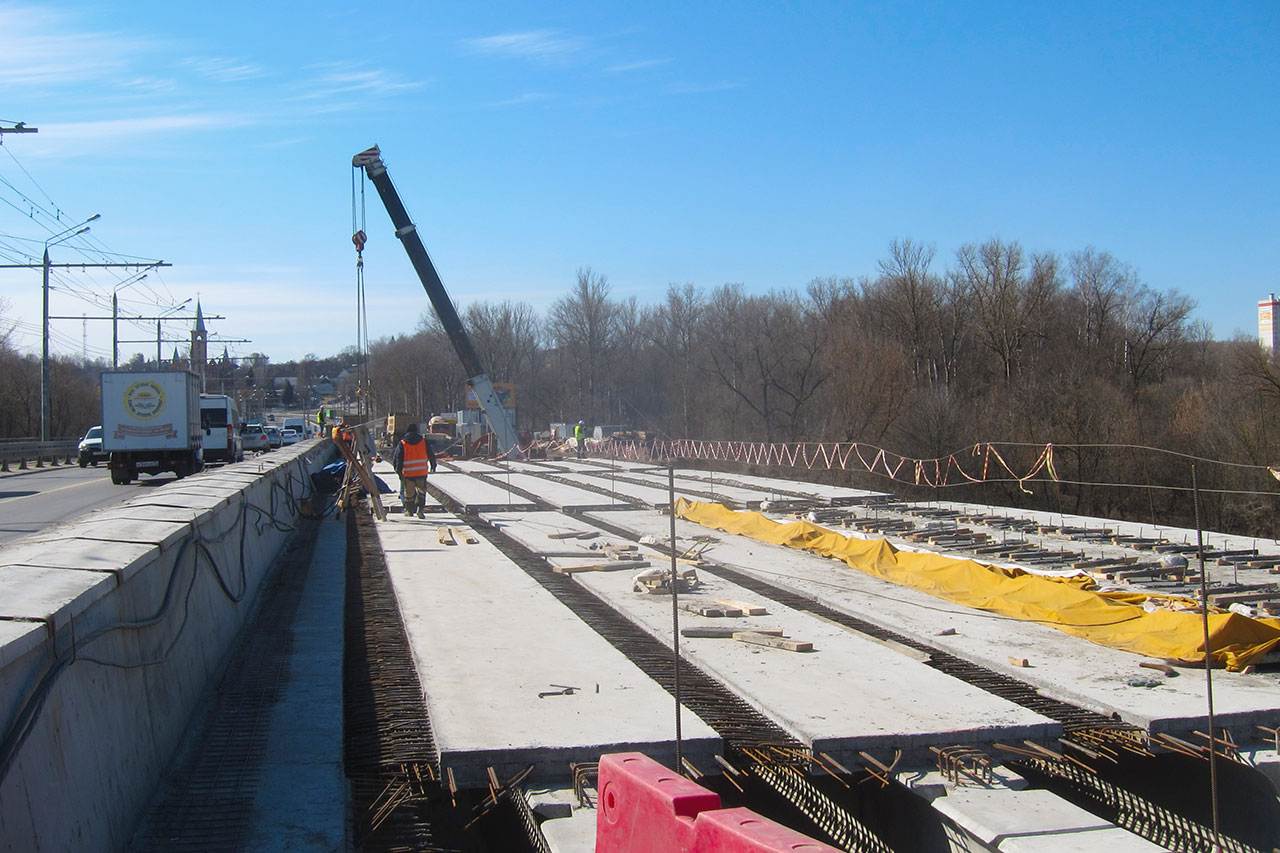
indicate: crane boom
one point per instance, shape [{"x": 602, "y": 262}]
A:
[{"x": 499, "y": 419}]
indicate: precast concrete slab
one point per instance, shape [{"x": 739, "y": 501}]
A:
[
  {"x": 820, "y": 491},
  {"x": 495, "y": 652},
  {"x": 650, "y": 495},
  {"x": 17, "y": 638},
  {"x": 123, "y": 559},
  {"x": 556, "y": 494},
  {"x": 162, "y": 534},
  {"x": 699, "y": 491},
  {"x": 136, "y": 512},
  {"x": 853, "y": 693},
  {"x": 471, "y": 492},
  {"x": 54, "y": 596},
  {"x": 1061, "y": 666},
  {"x": 1033, "y": 820}
]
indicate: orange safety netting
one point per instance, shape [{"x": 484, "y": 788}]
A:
[{"x": 1073, "y": 605}]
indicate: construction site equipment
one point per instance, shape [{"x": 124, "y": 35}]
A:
[
  {"x": 1072, "y": 605},
  {"x": 357, "y": 475},
  {"x": 645, "y": 807},
  {"x": 499, "y": 419}
]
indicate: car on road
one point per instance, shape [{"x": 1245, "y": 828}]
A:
[
  {"x": 273, "y": 438},
  {"x": 90, "y": 450},
  {"x": 254, "y": 437},
  {"x": 220, "y": 420},
  {"x": 289, "y": 436}
]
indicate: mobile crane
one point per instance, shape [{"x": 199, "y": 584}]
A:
[{"x": 499, "y": 419}]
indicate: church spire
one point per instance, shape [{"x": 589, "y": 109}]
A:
[{"x": 199, "y": 318}]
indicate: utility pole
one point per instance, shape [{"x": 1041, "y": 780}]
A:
[{"x": 45, "y": 267}]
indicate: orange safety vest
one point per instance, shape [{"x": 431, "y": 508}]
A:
[{"x": 415, "y": 459}]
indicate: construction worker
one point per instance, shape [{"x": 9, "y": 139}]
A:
[
  {"x": 412, "y": 459},
  {"x": 580, "y": 437}
]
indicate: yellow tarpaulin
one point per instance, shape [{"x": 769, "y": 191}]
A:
[{"x": 1073, "y": 605}]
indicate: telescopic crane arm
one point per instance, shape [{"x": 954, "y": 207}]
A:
[{"x": 499, "y": 419}]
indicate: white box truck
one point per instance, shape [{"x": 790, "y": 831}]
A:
[{"x": 151, "y": 424}]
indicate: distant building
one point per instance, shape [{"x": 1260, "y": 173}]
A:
[
  {"x": 1269, "y": 324},
  {"x": 199, "y": 347}
]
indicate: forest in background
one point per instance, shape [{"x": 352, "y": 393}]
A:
[{"x": 925, "y": 357}]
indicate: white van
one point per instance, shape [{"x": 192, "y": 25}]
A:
[{"x": 220, "y": 421}]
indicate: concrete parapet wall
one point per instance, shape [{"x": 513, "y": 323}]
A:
[{"x": 113, "y": 627}]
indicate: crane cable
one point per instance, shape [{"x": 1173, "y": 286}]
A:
[{"x": 358, "y": 239}]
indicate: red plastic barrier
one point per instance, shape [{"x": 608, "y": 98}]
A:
[{"x": 646, "y": 808}]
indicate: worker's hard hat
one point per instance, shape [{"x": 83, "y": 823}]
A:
[{"x": 582, "y": 423}]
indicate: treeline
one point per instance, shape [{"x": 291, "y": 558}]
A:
[
  {"x": 924, "y": 358},
  {"x": 73, "y": 401}
]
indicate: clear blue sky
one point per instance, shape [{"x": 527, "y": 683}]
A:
[{"x": 657, "y": 143}]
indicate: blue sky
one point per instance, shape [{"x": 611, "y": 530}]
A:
[{"x": 760, "y": 143}]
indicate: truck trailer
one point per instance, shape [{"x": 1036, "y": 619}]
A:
[{"x": 151, "y": 424}]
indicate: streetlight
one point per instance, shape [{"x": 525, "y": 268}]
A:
[
  {"x": 61, "y": 237},
  {"x": 115, "y": 317}
]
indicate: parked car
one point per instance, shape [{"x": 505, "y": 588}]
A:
[
  {"x": 90, "y": 451},
  {"x": 273, "y": 438},
  {"x": 289, "y": 436},
  {"x": 254, "y": 437}
]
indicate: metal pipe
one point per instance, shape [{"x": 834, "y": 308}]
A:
[
  {"x": 1208, "y": 657},
  {"x": 675, "y": 603}
]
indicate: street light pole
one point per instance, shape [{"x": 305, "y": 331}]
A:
[
  {"x": 65, "y": 234},
  {"x": 44, "y": 354}
]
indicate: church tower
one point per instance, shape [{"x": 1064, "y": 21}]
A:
[{"x": 199, "y": 347}]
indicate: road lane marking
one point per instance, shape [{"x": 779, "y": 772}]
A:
[{"x": 51, "y": 491}]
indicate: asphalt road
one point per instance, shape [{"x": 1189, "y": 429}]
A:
[{"x": 32, "y": 500}]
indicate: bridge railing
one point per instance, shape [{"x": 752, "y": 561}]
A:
[{"x": 27, "y": 452}]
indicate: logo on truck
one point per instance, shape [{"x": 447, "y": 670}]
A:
[{"x": 144, "y": 399}]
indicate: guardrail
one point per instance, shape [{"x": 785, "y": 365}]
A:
[{"x": 20, "y": 451}]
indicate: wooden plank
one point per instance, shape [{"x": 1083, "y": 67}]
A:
[
  {"x": 712, "y": 612},
  {"x": 569, "y": 534},
  {"x": 611, "y": 566},
  {"x": 757, "y": 639},
  {"x": 445, "y": 536},
  {"x": 746, "y": 607},
  {"x": 726, "y": 633}
]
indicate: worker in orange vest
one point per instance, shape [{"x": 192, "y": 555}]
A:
[{"x": 412, "y": 459}]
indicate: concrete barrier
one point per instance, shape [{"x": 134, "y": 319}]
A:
[{"x": 113, "y": 627}]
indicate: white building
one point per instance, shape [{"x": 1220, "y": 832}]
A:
[{"x": 1269, "y": 324}]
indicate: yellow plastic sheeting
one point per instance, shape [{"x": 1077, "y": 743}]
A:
[{"x": 1073, "y": 605}]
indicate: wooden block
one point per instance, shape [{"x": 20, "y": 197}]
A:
[
  {"x": 1023, "y": 662},
  {"x": 747, "y": 608},
  {"x": 726, "y": 633},
  {"x": 470, "y": 538},
  {"x": 445, "y": 536},
  {"x": 946, "y": 632},
  {"x": 755, "y": 638}
]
